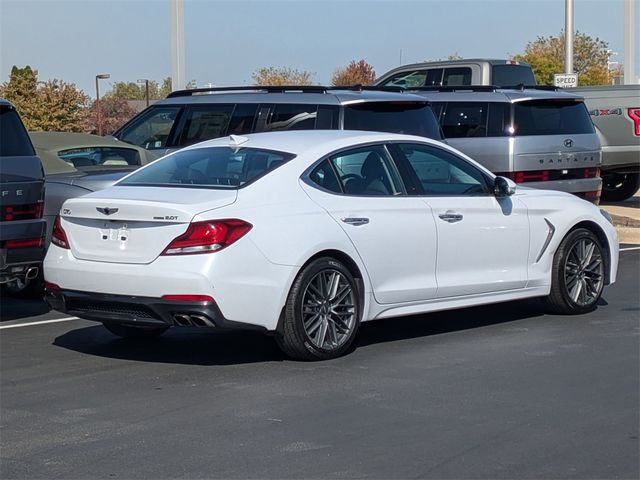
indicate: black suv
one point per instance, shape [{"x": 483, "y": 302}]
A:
[
  {"x": 22, "y": 228},
  {"x": 186, "y": 117}
]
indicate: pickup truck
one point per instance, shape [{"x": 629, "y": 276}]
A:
[
  {"x": 615, "y": 112},
  {"x": 22, "y": 228}
]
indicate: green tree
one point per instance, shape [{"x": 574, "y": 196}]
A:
[
  {"x": 281, "y": 76},
  {"x": 546, "y": 57},
  {"x": 53, "y": 105},
  {"x": 356, "y": 73},
  {"x": 114, "y": 113}
]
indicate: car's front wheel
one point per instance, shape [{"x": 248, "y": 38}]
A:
[
  {"x": 322, "y": 313},
  {"x": 126, "y": 331},
  {"x": 577, "y": 273}
]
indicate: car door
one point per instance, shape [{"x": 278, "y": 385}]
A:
[
  {"x": 483, "y": 241},
  {"x": 394, "y": 234}
]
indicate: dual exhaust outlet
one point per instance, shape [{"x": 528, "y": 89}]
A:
[
  {"x": 191, "y": 320},
  {"x": 30, "y": 274}
]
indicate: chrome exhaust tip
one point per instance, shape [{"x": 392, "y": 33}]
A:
[
  {"x": 182, "y": 320},
  {"x": 201, "y": 321},
  {"x": 32, "y": 273}
]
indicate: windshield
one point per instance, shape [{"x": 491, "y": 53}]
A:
[
  {"x": 551, "y": 117},
  {"x": 411, "y": 118},
  {"x": 212, "y": 167}
]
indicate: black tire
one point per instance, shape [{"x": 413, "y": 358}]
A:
[
  {"x": 570, "y": 276},
  {"x": 126, "y": 331},
  {"x": 337, "y": 320},
  {"x": 33, "y": 289},
  {"x": 617, "y": 187}
]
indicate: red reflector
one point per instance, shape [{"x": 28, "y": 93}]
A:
[
  {"x": 22, "y": 212},
  {"x": 59, "y": 236},
  {"x": 30, "y": 243},
  {"x": 591, "y": 172},
  {"x": 188, "y": 298},
  {"x": 634, "y": 114},
  {"x": 51, "y": 286},
  {"x": 591, "y": 194}
]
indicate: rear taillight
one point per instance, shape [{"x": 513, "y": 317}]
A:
[
  {"x": 634, "y": 114},
  {"x": 51, "y": 286},
  {"x": 29, "y": 211},
  {"x": 208, "y": 237},
  {"x": 59, "y": 236},
  {"x": 188, "y": 298},
  {"x": 29, "y": 243},
  {"x": 529, "y": 176}
]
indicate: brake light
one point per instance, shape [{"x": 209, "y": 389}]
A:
[
  {"x": 188, "y": 298},
  {"x": 29, "y": 211},
  {"x": 634, "y": 114},
  {"x": 29, "y": 243},
  {"x": 208, "y": 237},
  {"x": 59, "y": 236},
  {"x": 529, "y": 176},
  {"x": 591, "y": 172}
]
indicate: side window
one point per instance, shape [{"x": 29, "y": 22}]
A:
[
  {"x": 499, "y": 119},
  {"x": 204, "y": 123},
  {"x": 292, "y": 117},
  {"x": 464, "y": 119},
  {"x": 407, "y": 79},
  {"x": 457, "y": 76},
  {"x": 152, "y": 128},
  {"x": 367, "y": 171},
  {"x": 434, "y": 77},
  {"x": 437, "y": 108},
  {"x": 443, "y": 173},
  {"x": 242, "y": 119},
  {"x": 324, "y": 176}
]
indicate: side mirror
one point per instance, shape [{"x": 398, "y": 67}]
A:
[{"x": 503, "y": 187}]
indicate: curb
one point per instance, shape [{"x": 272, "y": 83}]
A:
[{"x": 622, "y": 221}]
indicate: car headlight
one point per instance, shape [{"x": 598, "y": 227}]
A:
[{"x": 606, "y": 215}]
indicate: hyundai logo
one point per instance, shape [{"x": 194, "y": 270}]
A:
[
  {"x": 107, "y": 210},
  {"x": 568, "y": 143}
]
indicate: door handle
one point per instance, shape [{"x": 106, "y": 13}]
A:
[
  {"x": 451, "y": 217},
  {"x": 355, "y": 221}
]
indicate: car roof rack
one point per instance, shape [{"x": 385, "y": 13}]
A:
[
  {"x": 283, "y": 89},
  {"x": 454, "y": 88},
  {"x": 523, "y": 87}
]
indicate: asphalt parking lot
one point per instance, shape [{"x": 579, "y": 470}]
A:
[{"x": 500, "y": 391}]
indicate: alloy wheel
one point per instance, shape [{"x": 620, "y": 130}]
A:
[{"x": 584, "y": 272}]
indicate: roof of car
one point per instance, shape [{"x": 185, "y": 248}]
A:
[
  {"x": 491, "y": 61},
  {"x": 65, "y": 140},
  {"x": 495, "y": 94},
  {"x": 316, "y": 95},
  {"x": 5, "y": 103}
]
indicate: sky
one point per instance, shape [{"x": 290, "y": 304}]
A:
[{"x": 226, "y": 40}]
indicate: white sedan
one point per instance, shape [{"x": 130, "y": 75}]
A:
[{"x": 306, "y": 234}]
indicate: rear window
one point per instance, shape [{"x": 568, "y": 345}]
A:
[
  {"x": 92, "y": 156},
  {"x": 411, "y": 118},
  {"x": 551, "y": 117},
  {"x": 212, "y": 167},
  {"x": 14, "y": 141},
  {"x": 509, "y": 75}
]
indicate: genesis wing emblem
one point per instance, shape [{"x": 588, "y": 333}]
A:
[{"x": 107, "y": 210}]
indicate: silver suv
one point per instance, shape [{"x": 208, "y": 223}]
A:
[
  {"x": 191, "y": 116},
  {"x": 537, "y": 136}
]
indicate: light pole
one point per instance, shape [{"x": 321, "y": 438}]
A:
[
  {"x": 146, "y": 88},
  {"x": 100, "y": 76},
  {"x": 568, "y": 36}
]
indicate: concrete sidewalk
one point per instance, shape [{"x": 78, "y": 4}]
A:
[{"x": 626, "y": 218}]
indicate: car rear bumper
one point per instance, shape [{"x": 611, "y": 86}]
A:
[{"x": 141, "y": 311}]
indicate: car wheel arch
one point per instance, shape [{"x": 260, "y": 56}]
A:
[{"x": 594, "y": 228}]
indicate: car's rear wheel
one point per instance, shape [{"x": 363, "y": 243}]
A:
[
  {"x": 577, "y": 274},
  {"x": 617, "y": 187},
  {"x": 126, "y": 331},
  {"x": 322, "y": 313}
]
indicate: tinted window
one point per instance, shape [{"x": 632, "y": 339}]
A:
[
  {"x": 151, "y": 129},
  {"x": 90, "y": 156},
  {"x": 457, "y": 76},
  {"x": 413, "y": 118},
  {"x": 510, "y": 75},
  {"x": 242, "y": 119},
  {"x": 464, "y": 119},
  {"x": 367, "y": 171},
  {"x": 550, "y": 117},
  {"x": 434, "y": 77},
  {"x": 205, "y": 123},
  {"x": 324, "y": 176},
  {"x": 292, "y": 117},
  {"x": 14, "y": 140},
  {"x": 443, "y": 173},
  {"x": 407, "y": 79},
  {"x": 499, "y": 123},
  {"x": 216, "y": 167}
]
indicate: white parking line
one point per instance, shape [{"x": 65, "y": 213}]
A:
[
  {"x": 628, "y": 249},
  {"x": 42, "y": 322}
]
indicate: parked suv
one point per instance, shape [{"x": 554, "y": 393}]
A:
[
  {"x": 537, "y": 136},
  {"x": 21, "y": 200},
  {"x": 186, "y": 117}
]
